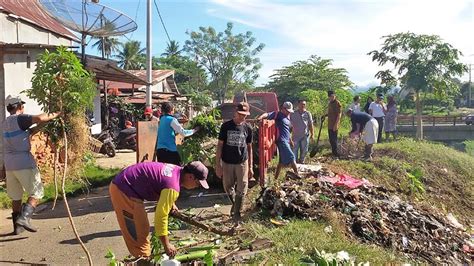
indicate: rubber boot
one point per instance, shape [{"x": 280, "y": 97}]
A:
[
  {"x": 24, "y": 219},
  {"x": 238, "y": 205},
  {"x": 368, "y": 152},
  {"x": 232, "y": 200},
  {"x": 16, "y": 229}
]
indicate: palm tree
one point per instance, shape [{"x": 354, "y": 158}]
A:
[
  {"x": 131, "y": 56},
  {"x": 172, "y": 48},
  {"x": 109, "y": 45}
]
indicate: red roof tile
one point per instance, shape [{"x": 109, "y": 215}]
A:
[{"x": 31, "y": 11}]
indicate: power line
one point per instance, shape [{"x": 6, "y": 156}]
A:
[
  {"x": 136, "y": 15},
  {"x": 162, "y": 23}
]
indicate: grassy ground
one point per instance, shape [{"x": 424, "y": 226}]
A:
[
  {"x": 94, "y": 176},
  {"x": 424, "y": 172},
  {"x": 299, "y": 239}
]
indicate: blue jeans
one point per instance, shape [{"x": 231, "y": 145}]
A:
[{"x": 301, "y": 148}]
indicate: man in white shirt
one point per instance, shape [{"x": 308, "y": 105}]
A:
[{"x": 378, "y": 109}]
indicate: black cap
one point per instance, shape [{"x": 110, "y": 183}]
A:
[{"x": 331, "y": 93}]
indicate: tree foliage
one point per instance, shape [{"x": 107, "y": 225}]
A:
[
  {"x": 132, "y": 56},
  {"x": 229, "y": 59},
  {"x": 172, "y": 49},
  {"x": 109, "y": 45},
  {"x": 61, "y": 84},
  {"x": 421, "y": 63},
  {"x": 312, "y": 74}
]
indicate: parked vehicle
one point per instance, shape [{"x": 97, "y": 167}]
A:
[
  {"x": 108, "y": 146},
  {"x": 469, "y": 120},
  {"x": 125, "y": 139}
]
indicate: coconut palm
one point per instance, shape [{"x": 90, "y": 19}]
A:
[
  {"x": 172, "y": 48},
  {"x": 132, "y": 56},
  {"x": 109, "y": 45}
]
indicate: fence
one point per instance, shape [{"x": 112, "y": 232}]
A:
[{"x": 429, "y": 119}]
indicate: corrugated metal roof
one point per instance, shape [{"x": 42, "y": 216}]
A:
[
  {"x": 32, "y": 12},
  {"x": 157, "y": 76}
]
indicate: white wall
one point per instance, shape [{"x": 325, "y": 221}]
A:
[
  {"x": 17, "y": 31},
  {"x": 18, "y": 77}
]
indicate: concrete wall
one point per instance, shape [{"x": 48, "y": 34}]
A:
[
  {"x": 16, "y": 31},
  {"x": 441, "y": 133}
]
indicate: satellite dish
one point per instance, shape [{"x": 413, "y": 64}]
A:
[{"x": 89, "y": 18}]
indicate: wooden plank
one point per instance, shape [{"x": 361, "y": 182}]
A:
[{"x": 147, "y": 133}]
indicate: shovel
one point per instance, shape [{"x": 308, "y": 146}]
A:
[{"x": 316, "y": 148}]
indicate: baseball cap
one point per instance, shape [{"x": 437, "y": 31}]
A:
[
  {"x": 200, "y": 171},
  {"x": 331, "y": 93},
  {"x": 148, "y": 111},
  {"x": 243, "y": 108},
  {"x": 380, "y": 95},
  {"x": 288, "y": 106},
  {"x": 13, "y": 99}
]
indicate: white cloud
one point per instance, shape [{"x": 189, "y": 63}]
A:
[{"x": 346, "y": 30}]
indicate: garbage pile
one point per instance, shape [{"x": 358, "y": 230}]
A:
[{"x": 372, "y": 215}]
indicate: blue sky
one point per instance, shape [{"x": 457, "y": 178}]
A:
[{"x": 342, "y": 30}]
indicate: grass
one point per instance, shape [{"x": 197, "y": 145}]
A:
[
  {"x": 94, "y": 176},
  {"x": 447, "y": 175},
  {"x": 299, "y": 238},
  {"x": 469, "y": 146}
]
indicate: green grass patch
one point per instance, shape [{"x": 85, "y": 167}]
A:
[
  {"x": 299, "y": 238},
  {"x": 469, "y": 146},
  {"x": 94, "y": 176}
]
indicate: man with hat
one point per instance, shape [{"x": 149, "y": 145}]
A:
[
  {"x": 334, "y": 119},
  {"x": 234, "y": 158},
  {"x": 151, "y": 181},
  {"x": 284, "y": 141},
  {"x": 149, "y": 115},
  {"x": 21, "y": 171},
  {"x": 378, "y": 109}
]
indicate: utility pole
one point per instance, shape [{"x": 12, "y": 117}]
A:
[
  {"x": 470, "y": 87},
  {"x": 148, "y": 54}
]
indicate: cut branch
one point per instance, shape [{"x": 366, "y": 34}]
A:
[{"x": 191, "y": 221}]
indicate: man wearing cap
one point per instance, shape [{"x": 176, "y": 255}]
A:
[
  {"x": 166, "y": 150},
  {"x": 378, "y": 109},
  {"x": 151, "y": 181},
  {"x": 334, "y": 119},
  {"x": 234, "y": 158},
  {"x": 366, "y": 127},
  {"x": 21, "y": 171},
  {"x": 284, "y": 141},
  {"x": 302, "y": 122},
  {"x": 149, "y": 115}
]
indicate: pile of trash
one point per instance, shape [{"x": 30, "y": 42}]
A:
[{"x": 372, "y": 215}]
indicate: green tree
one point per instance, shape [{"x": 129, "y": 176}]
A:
[
  {"x": 107, "y": 45},
  {"x": 132, "y": 56},
  {"x": 312, "y": 74},
  {"x": 172, "y": 49},
  {"x": 61, "y": 84},
  {"x": 229, "y": 59},
  {"x": 423, "y": 63}
]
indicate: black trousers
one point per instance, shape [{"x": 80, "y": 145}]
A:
[
  {"x": 380, "y": 120},
  {"x": 167, "y": 156},
  {"x": 333, "y": 141}
]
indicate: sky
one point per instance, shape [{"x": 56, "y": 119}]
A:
[{"x": 341, "y": 30}]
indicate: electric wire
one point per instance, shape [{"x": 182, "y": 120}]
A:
[{"x": 162, "y": 23}]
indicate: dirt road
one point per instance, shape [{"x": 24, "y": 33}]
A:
[{"x": 95, "y": 220}]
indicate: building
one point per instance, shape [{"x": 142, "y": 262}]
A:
[{"x": 25, "y": 32}]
